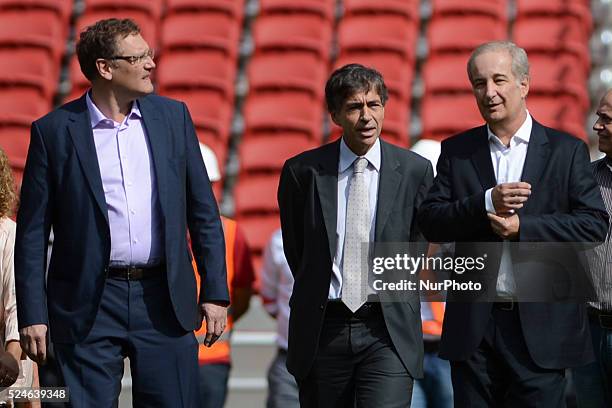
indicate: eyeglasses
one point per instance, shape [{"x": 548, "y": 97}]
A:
[{"x": 135, "y": 59}]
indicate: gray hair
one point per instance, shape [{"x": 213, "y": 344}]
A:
[{"x": 520, "y": 63}]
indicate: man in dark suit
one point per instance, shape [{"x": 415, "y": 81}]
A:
[
  {"x": 118, "y": 175},
  {"x": 512, "y": 180},
  {"x": 345, "y": 345}
]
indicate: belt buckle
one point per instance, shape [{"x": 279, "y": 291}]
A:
[
  {"x": 605, "y": 321},
  {"x": 128, "y": 275},
  {"x": 507, "y": 306}
]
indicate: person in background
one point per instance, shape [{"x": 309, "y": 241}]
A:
[
  {"x": 593, "y": 381},
  {"x": 435, "y": 389},
  {"x": 14, "y": 370},
  {"x": 276, "y": 287},
  {"x": 215, "y": 362}
]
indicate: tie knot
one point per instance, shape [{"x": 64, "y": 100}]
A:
[{"x": 360, "y": 164}]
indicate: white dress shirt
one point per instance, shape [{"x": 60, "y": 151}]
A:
[
  {"x": 508, "y": 163},
  {"x": 345, "y": 171},
  {"x": 276, "y": 286}
]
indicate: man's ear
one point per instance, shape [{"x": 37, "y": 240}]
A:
[
  {"x": 524, "y": 86},
  {"x": 105, "y": 68},
  {"x": 334, "y": 118}
]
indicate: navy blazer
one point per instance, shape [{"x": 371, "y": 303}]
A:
[{"x": 62, "y": 189}]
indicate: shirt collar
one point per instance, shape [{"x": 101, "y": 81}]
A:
[
  {"x": 96, "y": 116},
  {"x": 347, "y": 157},
  {"x": 523, "y": 134}
]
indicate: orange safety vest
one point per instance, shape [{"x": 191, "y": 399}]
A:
[
  {"x": 220, "y": 351},
  {"x": 434, "y": 327}
]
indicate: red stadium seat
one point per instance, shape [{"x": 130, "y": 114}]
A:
[
  {"x": 234, "y": 8},
  {"x": 398, "y": 72},
  {"x": 148, "y": 26},
  {"x": 554, "y": 37},
  {"x": 210, "y": 111},
  {"x": 407, "y": 8},
  {"x": 389, "y": 33},
  {"x": 557, "y": 9},
  {"x": 256, "y": 194},
  {"x": 323, "y": 8},
  {"x": 292, "y": 70},
  {"x": 79, "y": 84},
  {"x": 28, "y": 67},
  {"x": 442, "y": 33},
  {"x": 63, "y": 8},
  {"x": 258, "y": 229},
  {"x": 446, "y": 73},
  {"x": 446, "y": 115},
  {"x": 20, "y": 106},
  {"x": 212, "y": 30},
  {"x": 280, "y": 111},
  {"x": 555, "y": 75},
  {"x": 496, "y": 9},
  {"x": 395, "y": 125},
  {"x": 150, "y": 7},
  {"x": 197, "y": 69},
  {"x": 285, "y": 32},
  {"x": 34, "y": 28},
  {"x": 14, "y": 140},
  {"x": 558, "y": 112},
  {"x": 268, "y": 153}
]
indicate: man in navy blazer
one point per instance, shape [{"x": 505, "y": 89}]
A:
[
  {"x": 119, "y": 177},
  {"x": 508, "y": 182}
]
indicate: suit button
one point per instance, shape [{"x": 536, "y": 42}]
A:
[{"x": 322, "y": 307}]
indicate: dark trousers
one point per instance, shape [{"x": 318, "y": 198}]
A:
[
  {"x": 501, "y": 373},
  {"x": 213, "y": 384},
  {"x": 356, "y": 364},
  {"x": 134, "y": 320}
]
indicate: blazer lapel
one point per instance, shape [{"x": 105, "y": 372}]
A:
[
  {"x": 536, "y": 160},
  {"x": 388, "y": 185},
  {"x": 482, "y": 158},
  {"x": 157, "y": 134},
  {"x": 537, "y": 155},
  {"x": 79, "y": 128},
  {"x": 327, "y": 188}
]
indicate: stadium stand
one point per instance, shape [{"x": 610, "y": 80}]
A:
[{"x": 295, "y": 43}]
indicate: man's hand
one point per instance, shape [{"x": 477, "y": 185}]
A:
[
  {"x": 509, "y": 197},
  {"x": 505, "y": 227},
  {"x": 216, "y": 319},
  {"x": 33, "y": 341},
  {"x": 9, "y": 369}
]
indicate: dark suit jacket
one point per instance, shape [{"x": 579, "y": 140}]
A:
[
  {"x": 307, "y": 197},
  {"x": 62, "y": 188},
  {"x": 565, "y": 206}
]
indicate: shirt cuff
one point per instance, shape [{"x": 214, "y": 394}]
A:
[{"x": 489, "y": 201}]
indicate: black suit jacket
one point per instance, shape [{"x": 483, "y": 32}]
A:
[
  {"x": 62, "y": 188},
  {"x": 307, "y": 198},
  {"x": 565, "y": 206}
]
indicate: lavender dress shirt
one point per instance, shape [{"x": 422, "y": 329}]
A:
[{"x": 130, "y": 187}]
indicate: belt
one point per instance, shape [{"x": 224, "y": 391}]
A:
[
  {"x": 604, "y": 318},
  {"x": 135, "y": 272},
  {"x": 506, "y": 304},
  {"x": 337, "y": 308}
]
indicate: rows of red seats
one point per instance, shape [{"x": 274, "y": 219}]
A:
[
  {"x": 284, "y": 110},
  {"x": 33, "y": 38}
]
